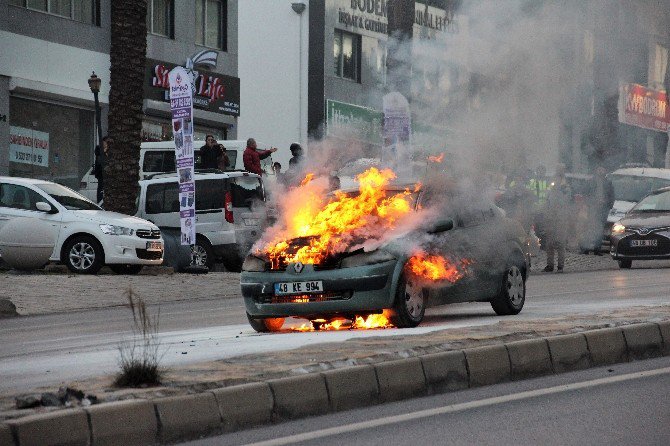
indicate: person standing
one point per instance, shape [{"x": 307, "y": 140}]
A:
[
  {"x": 209, "y": 154},
  {"x": 101, "y": 157},
  {"x": 296, "y": 156},
  {"x": 601, "y": 199},
  {"x": 518, "y": 201},
  {"x": 559, "y": 198},
  {"x": 252, "y": 157}
]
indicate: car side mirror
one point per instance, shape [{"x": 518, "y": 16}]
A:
[
  {"x": 45, "y": 207},
  {"x": 442, "y": 226}
]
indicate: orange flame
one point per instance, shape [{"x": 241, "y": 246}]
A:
[
  {"x": 372, "y": 321},
  {"x": 335, "y": 225},
  {"x": 436, "y": 159},
  {"x": 435, "y": 268},
  {"x": 308, "y": 178}
]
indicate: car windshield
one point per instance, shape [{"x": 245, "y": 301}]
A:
[
  {"x": 654, "y": 203},
  {"x": 245, "y": 190},
  {"x": 68, "y": 198},
  {"x": 633, "y": 188}
]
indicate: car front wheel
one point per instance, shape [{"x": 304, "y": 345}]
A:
[
  {"x": 512, "y": 294},
  {"x": 203, "y": 254},
  {"x": 265, "y": 325},
  {"x": 83, "y": 255},
  {"x": 410, "y": 303}
]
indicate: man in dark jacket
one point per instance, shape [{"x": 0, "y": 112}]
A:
[
  {"x": 600, "y": 201},
  {"x": 101, "y": 157},
  {"x": 252, "y": 157},
  {"x": 209, "y": 153}
]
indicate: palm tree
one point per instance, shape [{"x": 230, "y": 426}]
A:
[
  {"x": 399, "y": 59},
  {"x": 127, "y": 64}
]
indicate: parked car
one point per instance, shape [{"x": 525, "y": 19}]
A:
[
  {"x": 159, "y": 157},
  {"x": 361, "y": 282},
  {"x": 229, "y": 208},
  {"x": 86, "y": 237},
  {"x": 631, "y": 185},
  {"x": 644, "y": 232}
]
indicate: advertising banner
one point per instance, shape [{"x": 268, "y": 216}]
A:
[
  {"x": 397, "y": 131},
  {"x": 353, "y": 121},
  {"x": 28, "y": 146},
  {"x": 181, "y": 104},
  {"x": 643, "y": 107}
]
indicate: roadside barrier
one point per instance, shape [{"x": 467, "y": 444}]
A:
[{"x": 186, "y": 417}]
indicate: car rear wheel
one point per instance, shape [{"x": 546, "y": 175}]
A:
[
  {"x": 410, "y": 303},
  {"x": 512, "y": 294},
  {"x": 265, "y": 325},
  {"x": 203, "y": 254},
  {"x": 83, "y": 254},
  {"x": 625, "y": 264},
  {"x": 126, "y": 269}
]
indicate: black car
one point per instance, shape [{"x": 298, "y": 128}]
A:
[{"x": 644, "y": 232}]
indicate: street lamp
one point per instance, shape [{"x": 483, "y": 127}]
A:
[{"x": 94, "y": 84}]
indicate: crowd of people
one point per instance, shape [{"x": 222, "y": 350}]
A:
[{"x": 549, "y": 206}]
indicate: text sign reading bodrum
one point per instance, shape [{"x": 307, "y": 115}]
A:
[{"x": 643, "y": 107}]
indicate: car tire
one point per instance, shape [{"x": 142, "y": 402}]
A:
[
  {"x": 203, "y": 254},
  {"x": 625, "y": 264},
  {"x": 83, "y": 254},
  {"x": 512, "y": 293},
  {"x": 266, "y": 325},
  {"x": 126, "y": 269},
  {"x": 410, "y": 303}
]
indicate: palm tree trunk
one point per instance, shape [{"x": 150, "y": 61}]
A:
[
  {"x": 127, "y": 64},
  {"x": 399, "y": 59}
]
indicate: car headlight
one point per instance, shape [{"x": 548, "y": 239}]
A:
[
  {"x": 115, "y": 230},
  {"x": 618, "y": 228},
  {"x": 253, "y": 264},
  {"x": 367, "y": 258}
]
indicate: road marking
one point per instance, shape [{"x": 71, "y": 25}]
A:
[{"x": 455, "y": 408}]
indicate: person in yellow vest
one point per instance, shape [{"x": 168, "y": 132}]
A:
[{"x": 539, "y": 184}]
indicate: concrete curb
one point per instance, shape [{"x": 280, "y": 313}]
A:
[{"x": 172, "y": 419}]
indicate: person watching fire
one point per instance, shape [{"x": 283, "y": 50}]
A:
[{"x": 252, "y": 157}]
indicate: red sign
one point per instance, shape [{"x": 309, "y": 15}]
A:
[{"x": 643, "y": 107}]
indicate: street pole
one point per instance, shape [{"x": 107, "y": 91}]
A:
[{"x": 94, "y": 83}]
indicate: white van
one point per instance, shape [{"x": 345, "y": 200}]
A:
[
  {"x": 230, "y": 213},
  {"x": 631, "y": 185},
  {"x": 158, "y": 157}
]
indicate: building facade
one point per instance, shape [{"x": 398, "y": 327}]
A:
[{"x": 47, "y": 117}]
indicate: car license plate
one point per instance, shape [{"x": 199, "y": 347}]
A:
[
  {"x": 641, "y": 243},
  {"x": 154, "y": 246},
  {"x": 283, "y": 288},
  {"x": 251, "y": 221}
]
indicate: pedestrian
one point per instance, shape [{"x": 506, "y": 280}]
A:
[
  {"x": 276, "y": 169},
  {"x": 101, "y": 158},
  {"x": 557, "y": 219},
  {"x": 209, "y": 153},
  {"x": 296, "y": 156},
  {"x": 252, "y": 157},
  {"x": 539, "y": 184},
  {"x": 599, "y": 201},
  {"x": 518, "y": 201}
]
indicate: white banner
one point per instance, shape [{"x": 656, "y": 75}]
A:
[
  {"x": 181, "y": 104},
  {"x": 28, "y": 146},
  {"x": 397, "y": 133}
]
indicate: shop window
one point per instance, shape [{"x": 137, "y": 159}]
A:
[
  {"x": 86, "y": 11},
  {"x": 160, "y": 18},
  {"x": 346, "y": 53},
  {"x": 210, "y": 23}
]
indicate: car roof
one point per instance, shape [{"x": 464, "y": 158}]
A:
[
  {"x": 653, "y": 172},
  {"x": 20, "y": 180},
  {"x": 227, "y": 143},
  {"x": 172, "y": 176}
]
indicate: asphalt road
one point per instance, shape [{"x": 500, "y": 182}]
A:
[
  {"x": 47, "y": 350},
  {"x": 618, "y": 405}
]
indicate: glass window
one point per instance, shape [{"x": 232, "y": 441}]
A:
[
  {"x": 346, "y": 53},
  {"x": 155, "y": 199},
  {"x": 68, "y": 198},
  {"x": 634, "y": 188},
  {"x": 79, "y": 10},
  {"x": 19, "y": 197},
  {"x": 246, "y": 190},
  {"x": 209, "y": 194},
  {"x": 160, "y": 18},
  {"x": 654, "y": 203},
  {"x": 210, "y": 23}
]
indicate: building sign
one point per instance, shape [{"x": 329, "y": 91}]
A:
[
  {"x": 643, "y": 107},
  {"x": 213, "y": 92},
  {"x": 353, "y": 121},
  {"x": 371, "y": 15},
  {"x": 181, "y": 105},
  {"x": 28, "y": 146}
]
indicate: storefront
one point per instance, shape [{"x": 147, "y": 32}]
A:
[
  {"x": 216, "y": 103},
  {"x": 49, "y": 140}
]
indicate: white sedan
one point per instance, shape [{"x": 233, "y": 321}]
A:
[{"x": 86, "y": 237}]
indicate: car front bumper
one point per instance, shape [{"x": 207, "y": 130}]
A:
[
  {"x": 361, "y": 289},
  {"x": 131, "y": 250},
  {"x": 621, "y": 248}
]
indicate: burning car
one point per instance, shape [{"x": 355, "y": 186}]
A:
[{"x": 383, "y": 249}]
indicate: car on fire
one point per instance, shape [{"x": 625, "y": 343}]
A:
[
  {"x": 488, "y": 254},
  {"x": 644, "y": 232}
]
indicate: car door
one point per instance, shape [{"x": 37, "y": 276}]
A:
[{"x": 17, "y": 200}]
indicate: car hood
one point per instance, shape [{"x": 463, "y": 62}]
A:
[
  {"x": 112, "y": 218},
  {"x": 647, "y": 220},
  {"x": 619, "y": 209}
]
